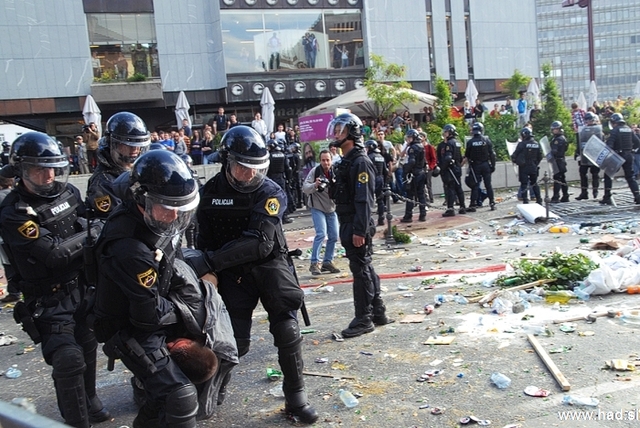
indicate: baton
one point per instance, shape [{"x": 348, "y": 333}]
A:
[{"x": 303, "y": 308}]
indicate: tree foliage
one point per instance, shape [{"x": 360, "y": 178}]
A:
[
  {"x": 385, "y": 85},
  {"x": 515, "y": 83},
  {"x": 501, "y": 129},
  {"x": 442, "y": 113}
]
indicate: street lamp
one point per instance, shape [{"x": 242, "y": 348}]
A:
[{"x": 586, "y": 4}]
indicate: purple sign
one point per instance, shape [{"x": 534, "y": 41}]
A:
[{"x": 314, "y": 128}]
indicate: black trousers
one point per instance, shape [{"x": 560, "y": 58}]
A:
[{"x": 482, "y": 171}]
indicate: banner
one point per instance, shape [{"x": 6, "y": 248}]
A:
[{"x": 314, "y": 128}]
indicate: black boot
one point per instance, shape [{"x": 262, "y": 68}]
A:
[
  {"x": 97, "y": 411},
  {"x": 449, "y": 213},
  {"x": 359, "y": 326},
  {"x": 565, "y": 198},
  {"x": 379, "y": 313},
  {"x": 606, "y": 199},
  {"x": 584, "y": 195},
  {"x": 287, "y": 338},
  {"x": 147, "y": 417},
  {"x": 72, "y": 401}
]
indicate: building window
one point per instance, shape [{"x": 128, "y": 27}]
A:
[
  {"x": 267, "y": 41},
  {"x": 123, "y": 45}
]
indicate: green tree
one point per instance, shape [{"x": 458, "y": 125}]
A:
[
  {"x": 515, "y": 83},
  {"x": 552, "y": 109},
  {"x": 443, "y": 115},
  {"x": 501, "y": 129},
  {"x": 385, "y": 85}
]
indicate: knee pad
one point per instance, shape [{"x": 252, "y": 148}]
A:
[
  {"x": 286, "y": 333},
  {"x": 181, "y": 407},
  {"x": 67, "y": 361}
]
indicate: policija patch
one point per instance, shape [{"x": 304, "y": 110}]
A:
[
  {"x": 29, "y": 230},
  {"x": 272, "y": 206},
  {"x": 363, "y": 177},
  {"x": 148, "y": 278},
  {"x": 103, "y": 204}
]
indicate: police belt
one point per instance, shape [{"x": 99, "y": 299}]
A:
[{"x": 33, "y": 290}]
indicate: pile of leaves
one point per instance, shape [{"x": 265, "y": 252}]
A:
[{"x": 566, "y": 269}]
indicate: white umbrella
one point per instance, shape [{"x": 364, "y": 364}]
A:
[
  {"x": 636, "y": 91},
  {"x": 91, "y": 113},
  {"x": 533, "y": 92},
  {"x": 268, "y": 109},
  {"x": 182, "y": 110},
  {"x": 471, "y": 94},
  {"x": 593, "y": 93},
  {"x": 582, "y": 101}
]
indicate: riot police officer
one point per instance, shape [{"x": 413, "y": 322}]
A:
[
  {"x": 353, "y": 193},
  {"x": 449, "y": 161},
  {"x": 240, "y": 232},
  {"x": 4, "y": 156},
  {"x": 623, "y": 141},
  {"x": 558, "y": 148},
  {"x": 527, "y": 156},
  {"x": 482, "y": 163},
  {"x": 43, "y": 228},
  {"x": 135, "y": 257},
  {"x": 125, "y": 138},
  {"x": 381, "y": 171},
  {"x": 592, "y": 128},
  {"x": 279, "y": 171},
  {"x": 296, "y": 181},
  {"x": 415, "y": 177}
]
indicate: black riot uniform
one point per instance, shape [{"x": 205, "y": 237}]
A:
[
  {"x": 586, "y": 166},
  {"x": 527, "y": 156},
  {"x": 240, "y": 231},
  {"x": 449, "y": 161},
  {"x": 43, "y": 229},
  {"x": 279, "y": 171},
  {"x": 126, "y": 136},
  {"x": 353, "y": 193},
  {"x": 482, "y": 163},
  {"x": 135, "y": 258},
  {"x": 381, "y": 173},
  {"x": 623, "y": 141},
  {"x": 558, "y": 149},
  {"x": 4, "y": 156},
  {"x": 295, "y": 162},
  {"x": 415, "y": 177}
]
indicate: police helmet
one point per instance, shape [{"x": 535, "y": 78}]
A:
[
  {"x": 294, "y": 147},
  {"x": 436, "y": 171},
  {"x": 157, "y": 146},
  {"x": 451, "y": 129},
  {"x": 243, "y": 148},
  {"x": 556, "y": 125},
  {"x": 6, "y": 145},
  {"x": 526, "y": 133},
  {"x": 187, "y": 159},
  {"x": 162, "y": 183},
  {"x": 345, "y": 121},
  {"x": 412, "y": 133},
  {"x": 371, "y": 145},
  {"x": 126, "y": 129},
  {"x": 617, "y": 118},
  {"x": 590, "y": 117},
  {"x": 31, "y": 152},
  {"x": 477, "y": 128}
]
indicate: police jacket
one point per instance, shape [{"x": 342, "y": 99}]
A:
[
  {"x": 379, "y": 164},
  {"x": 415, "y": 159},
  {"x": 480, "y": 149},
  {"x": 354, "y": 190},
  {"x": 585, "y": 135},
  {"x": 101, "y": 197},
  {"x": 559, "y": 146},
  {"x": 447, "y": 155},
  {"x": 278, "y": 165},
  {"x": 528, "y": 153},
  {"x": 44, "y": 237},
  {"x": 135, "y": 272},
  {"x": 622, "y": 139}
]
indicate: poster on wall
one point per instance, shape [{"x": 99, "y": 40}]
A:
[{"x": 314, "y": 128}]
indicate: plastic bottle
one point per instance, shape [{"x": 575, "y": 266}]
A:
[
  {"x": 559, "y": 229},
  {"x": 581, "y": 294},
  {"x": 562, "y": 296},
  {"x": 580, "y": 401},
  {"x": 348, "y": 398},
  {"x": 460, "y": 299},
  {"x": 500, "y": 380}
]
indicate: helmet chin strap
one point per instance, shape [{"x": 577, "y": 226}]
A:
[{"x": 338, "y": 143}]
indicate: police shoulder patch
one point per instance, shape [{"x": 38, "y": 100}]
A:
[
  {"x": 103, "y": 203},
  {"x": 363, "y": 177},
  {"x": 29, "y": 230},
  {"x": 272, "y": 206},
  {"x": 147, "y": 278}
]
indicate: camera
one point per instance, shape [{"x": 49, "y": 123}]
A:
[
  {"x": 85, "y": 128},
  {"x": 323, "y": 184}
]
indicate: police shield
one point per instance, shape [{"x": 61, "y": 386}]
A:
[
  {"x": 511, "y": 147},
  {"x": 602, "y": 156},
  {"x": 546, "y": 151}
]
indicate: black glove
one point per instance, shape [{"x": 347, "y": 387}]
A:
[
  {"x": 198, "y": 261},
  {"x": 493, "y": 169}
]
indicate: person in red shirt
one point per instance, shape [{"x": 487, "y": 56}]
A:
[{"x": 432, "y": 161}]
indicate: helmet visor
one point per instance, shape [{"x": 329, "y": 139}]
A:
[
  {"x": 337, "y": 130},
  {"x": 169, "y": 216},
  {"x": 125, "y": 154},
  {"x": 245, "y": 177},
  {"x": 47, "y": 177}
]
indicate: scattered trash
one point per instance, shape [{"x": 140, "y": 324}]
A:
[
  {"x": 620, "y": 365},
  {"x": 500, "y": 380},
  {"x": 13, "y": 372},
  {"x": 277, "y": 391},
  {"x": 25, "y": 404},
  {"x": 568, "y": 328},
  {"x": 337, "y": 337},
  {"x": 534, "y": 391},
  {"x": 440, "y": 340},
  {"x": 437, "y": 410},
  {"x": 473, "y": 419},
  {"x": 348, "y": 398},
  {"x": 428, "y": 309},
  {"x": 308, "y": 331},
  {"x": 273, "y": 374},
  {"x": 7, "y": 340},
  {"x": 413, "y": 318},
  {"x": 322, "y": 360},
  {"x": 424, "y": 406},
  {"x": 416, "y": 268},
  {"x": 560, "y": 350},
  {"x": 366, "y": 353},
  {"x": 580, "y": 401}
]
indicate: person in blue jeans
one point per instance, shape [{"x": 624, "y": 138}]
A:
[{"x": 323, "y": 214}]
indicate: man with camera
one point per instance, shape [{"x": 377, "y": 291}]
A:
[
  {"x": 323, "y": 214},
  {"x": 91, "y": 135}
]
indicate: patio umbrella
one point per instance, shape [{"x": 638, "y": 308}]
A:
[
  {"x": 593, "y": 93},
  {"x": 91, "y": 113},
  {"x": 636, "y": 91},
  {"x": 268, "y": 109},
  {"x": 182, "y": 110},
  {"x": 582, "y": 101},
  {"x": 533, "y": 92},
  {"x": 471, "y": 94}
]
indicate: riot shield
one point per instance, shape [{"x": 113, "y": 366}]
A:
[
  {"x": 603, "y": 156},
  {"x": 511, "y": 147},
  {"x": 546, "y": 151}
]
